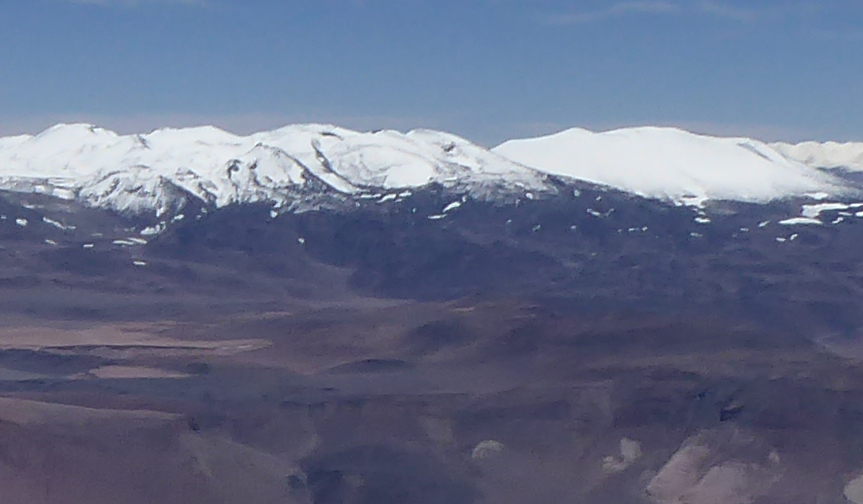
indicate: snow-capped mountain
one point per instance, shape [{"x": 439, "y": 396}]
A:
[
  {"x": 673, "y": 164},
  {"x": 497, "y": 300},
  {"x": 847, "y": 156},
  {"x": 304, "y": 167},
  {"x": 647, "y": 218},
  {"x": 285, "y": 167}
]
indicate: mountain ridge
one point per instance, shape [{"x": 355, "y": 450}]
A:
[
  {"x": 841, "y": 155},
  {"x": 307, "y": 166},
  {"x": 220, "y": 168}
]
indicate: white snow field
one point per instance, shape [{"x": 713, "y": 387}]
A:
[
  {"x": 149, "y": 172},
  {"x": 672, "y": 164},
  {"x": 155, "y": 172},
  {"x": 825, "y": 155}
]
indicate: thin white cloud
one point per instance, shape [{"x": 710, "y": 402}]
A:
[
  {"x": 727, "y": 11},
  {"x": 718, "y": 9},
  {"x": 613, "y": 11},
  {"x": 134, "y": 3}
]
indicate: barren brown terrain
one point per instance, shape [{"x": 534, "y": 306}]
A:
[{"x": 381, "y": 362}]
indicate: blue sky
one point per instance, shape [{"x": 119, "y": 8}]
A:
[{"x": 485, "y": 69}]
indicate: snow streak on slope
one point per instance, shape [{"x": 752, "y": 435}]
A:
[
  {"x": 825, "y": 155},
  {"x": 671, "y": 164},
  {"x": 161, "y": 170}
]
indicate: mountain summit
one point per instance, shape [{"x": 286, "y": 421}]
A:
[{"x": 673, "y": 164}]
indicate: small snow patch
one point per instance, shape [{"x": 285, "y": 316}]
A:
[
  {"x": 814, "y": 211},
  {"x": 702, "y": 220},
  {"x": 764, "y": 224},
  {"x": 152, "y": 230},
  {"x": 88, "y": 245},
  {"x": 51, "y": 242},
  {"x": 21, "y": 222},
  {"x": 137, "y": 241},
  {"x": 781, "y": 240},
  {"x": 436, "y": 217},
  {"x": 56, "y": 224},
  {"x": 693, "y": 201},
  {"x": 388, "y": 197},
  {"x": 301, "y": 240},
  {"x": 796, "y": 221},
  {"x": 139, "y": 263},
  {"x": 452, "y": 206}
]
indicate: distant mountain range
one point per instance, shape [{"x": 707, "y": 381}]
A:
[
  {"x": 639, "y": 218},
  {"x": 314, "y": 315},
  {"x": 304, "y": 167}
]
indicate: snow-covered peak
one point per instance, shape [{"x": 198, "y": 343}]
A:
[
  {"x": 75, "y": 133},
  {"x": 160, "y": 172},
  {"x": 148, "y": 172},
  {"x": 672, "y": 164},
  {"x": 206, "y": 135},
  {"x": 63, "y": 151},
  {"x": 825, "y": 155}
]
